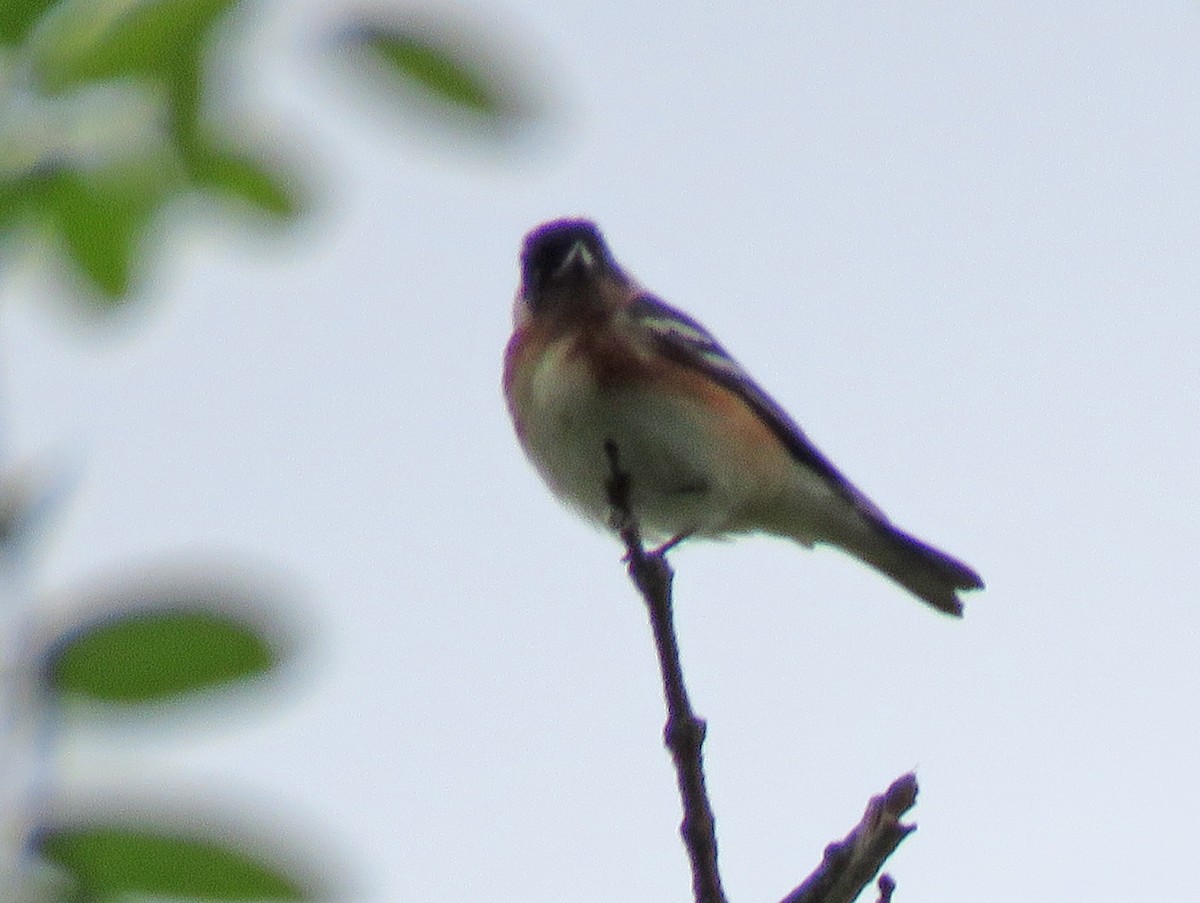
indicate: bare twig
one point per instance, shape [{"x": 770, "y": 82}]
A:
[
  {"x": 850, "y": 864},
  {"x": 684, "y": 732}
]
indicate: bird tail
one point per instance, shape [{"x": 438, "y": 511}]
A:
[{"x": 929, "y": 574}]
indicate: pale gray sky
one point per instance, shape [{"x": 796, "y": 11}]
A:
[{"x": 957, "y": 242}]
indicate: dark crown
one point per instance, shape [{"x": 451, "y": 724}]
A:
[{"x": 548, "y": 246}]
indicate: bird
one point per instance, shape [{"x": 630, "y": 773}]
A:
[{"x": 597, "y": 365}]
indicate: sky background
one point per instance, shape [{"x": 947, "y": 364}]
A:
[{"x": 958, "y": 242}]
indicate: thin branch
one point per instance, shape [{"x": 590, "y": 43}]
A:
[
  {"x": 684, "y": 732},
  {"x": 850, "y": 864}
]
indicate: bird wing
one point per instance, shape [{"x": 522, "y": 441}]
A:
[{"x": 686, "y": 342}]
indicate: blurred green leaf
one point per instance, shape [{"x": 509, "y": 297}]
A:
[
  {"x": 108, "y": 863},
  {"x": 248, "y": 180},
  {"x": 17, "y": 18},
  {"x": 12, "y": 202},
  {"x": 150, "y": 37},
  {"x": 151, "y": 655},
  {"x": 436, "y": 69},
  {"x": 160, "y": 39},
  {"x": 101, "y": 218},
  {"x": 102, "y": 196}
]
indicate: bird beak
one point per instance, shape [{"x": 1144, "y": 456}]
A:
[{"x": 578, "y": 256}]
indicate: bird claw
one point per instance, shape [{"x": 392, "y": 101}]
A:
[{"x": 660, "y": 551}]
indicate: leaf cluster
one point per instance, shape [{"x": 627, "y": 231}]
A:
[{"x": 108, "y": 126}]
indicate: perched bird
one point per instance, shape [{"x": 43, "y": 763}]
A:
[{"x": 596, "y": 361}]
